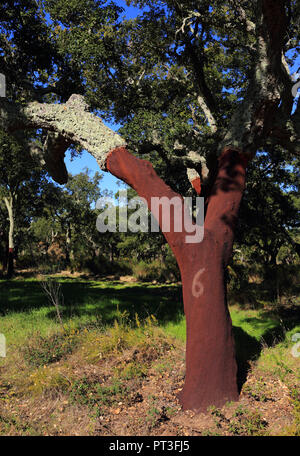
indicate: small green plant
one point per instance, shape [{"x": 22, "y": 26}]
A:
[
  {"x": 246, "y": 422},
  {"x": 155, "y": 413},
  {"x": 209, "y": 433},
  {"x": 283, "y": 370},
  {"x": 240, "y": 411},
  {"x": 97, "y": 396},
  {"x": 152, "y": 417},
  {"x": 257, "y": 391},
  {"x": 215, "y": 411},
  {"x": 41, "y": 350},
  {"x": 294, "y": 428},
  {"x": 46, "y": 380},
  {"x": 10, "y": 425},
  {"x": 131, "y": 370},
  {"x": 163, "y": 366},
  {"x": 219, "y": 417}
]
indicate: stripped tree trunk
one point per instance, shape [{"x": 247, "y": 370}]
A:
[{"x": 211, "y": 369}]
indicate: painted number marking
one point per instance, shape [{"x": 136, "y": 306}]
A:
[{"x": 197, "y": 287}]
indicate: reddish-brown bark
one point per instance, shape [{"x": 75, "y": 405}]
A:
[
  {"x": 196, "y": 183},
  {"x": 211, "y": 370}
]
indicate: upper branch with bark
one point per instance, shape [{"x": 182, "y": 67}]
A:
[
  {"x": 264, "y": 116},
  {"x": 67, "y": 123}
]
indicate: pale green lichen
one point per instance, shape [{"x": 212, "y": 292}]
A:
[{"x": 72, "y": 120}]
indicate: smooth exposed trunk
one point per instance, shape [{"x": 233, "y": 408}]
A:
[
  {"x": 211, "y": 369},
  {"x": 10, "y": 257},
  {"x": 69, "y": 254}
]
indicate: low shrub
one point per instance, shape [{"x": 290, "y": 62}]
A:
[{"x": 41, "y": 350}]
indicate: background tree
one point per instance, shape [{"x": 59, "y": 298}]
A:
[
  {"x": 68, "y": 218},
  {"x": 268, "y": 224},
  {"x": 20, "y": 188}
]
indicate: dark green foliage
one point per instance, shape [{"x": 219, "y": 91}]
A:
[
  {"x": 269, "y": 215},
  {"x": 21, "y": 185}
]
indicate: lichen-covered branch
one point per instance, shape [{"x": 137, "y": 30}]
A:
[
  {"x": 208, "y": 114},
  {"x": 71, "y": 122}
]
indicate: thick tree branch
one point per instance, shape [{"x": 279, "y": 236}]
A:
[
  {"x": 54, "y": 150},
  {"x": 225, "y": 197},
  {"x": 140, "y": 175},
  {"x": 205, "y": 92},
  {"x": 208, "y": 114},
  {"x": 71, "y": 122},
  {"x": 39, "y": 92},
  {"x": 252, "y": 122},
  {"x": 250, "y": 26},
  {"x": 207, "y": 99}
]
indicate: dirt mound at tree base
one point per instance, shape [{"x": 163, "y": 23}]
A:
[{"x": 144, "y": 402}]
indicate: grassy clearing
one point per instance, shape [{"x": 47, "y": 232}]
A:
[
  {"x": 25, "y": 308},
  {"x": 119, "y": 358}
]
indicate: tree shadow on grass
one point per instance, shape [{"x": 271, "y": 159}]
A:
[
  {"x": 164, "y": 302},
  {"x": 247, "y": 349},
  {"x": 90, "y": 299}
]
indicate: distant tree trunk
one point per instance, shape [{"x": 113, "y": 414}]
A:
[
  {"x": 68, "y": 249},
  {"x": 274, "y": 277},
  {"x": 111, "y": 254},
  {"x": 10, "y": 257},
  {"x": 5, "y": 258},
  {"x": 211, "y": 369}
]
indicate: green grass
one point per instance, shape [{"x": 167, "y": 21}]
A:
[
  {"x": 274, "y": 358},
  {"x": 254, "y": 322},
  {"x": 24, "y": 309},
  {"x": 114, "y": 336}
]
